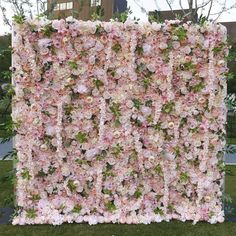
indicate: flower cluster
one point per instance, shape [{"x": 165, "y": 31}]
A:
[{"x": 119, "y": 122}]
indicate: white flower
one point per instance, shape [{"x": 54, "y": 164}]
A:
[
  {"x": 92, "y": 220},
  {"x": 44, "y": 147},
  {"x": 65, "y": 170},
  {"x": 147, "y": 48},
  {"x": 156, "y": 26},
  {"x": 163, "y": 46},
  {"x": 91, "y": 153},
  {"x": 45, "y": 42},
  {"x": 82, "y": 89},
  {"x": 70, "y": 19}
]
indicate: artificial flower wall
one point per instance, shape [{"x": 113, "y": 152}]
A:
[{"x": 119, "y": 122}]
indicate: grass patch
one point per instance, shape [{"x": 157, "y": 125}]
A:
[
  {"x": 165, "y": 228},
  {"x": 231, "y": 141},
  {"x": 230, "y": 186},
  {"x": 6, "y": 186}
]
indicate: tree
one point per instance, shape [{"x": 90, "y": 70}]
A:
[{"x": 195, "y": 10}]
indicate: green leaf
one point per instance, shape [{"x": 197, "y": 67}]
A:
[
  {"x": 107, "y": 191},
  {"x": 171, "y": 208},
  {"x": 82, "y": 162},
  {"x": 116, "y": 47},
  {"x": 68, "y": 108},
  {"x": 73, "y": 64},
  {"x": 19, "y": 19},
  {"x": 197, "y": 88},
  {"x": 71, "y": 185},
  {"x": 117, "y": 149},
  {"x": 139, "y": 50},
  {"x": 98, "y": 83},
  {"x": 181, "y": 33},
  {"x": 137, "y": 103},
  {"x": 25, "y": 174},
  {"x": 221, "y": 165},
  {"x": 77, "y": 209},
  {"x": 31, "y": 213},
  {"x": 157, "y": 126},
  {"x": 158, "y": 170},
  {"x": 218, "y": 49},
  {"x": 146, "y": 83},
  {"x": 47, "y": 30},
  {"x": 81, "y": 137},
  {"x": 99, "y": 30},
  {"x": 115, "y": 109},
  {"x": 184, "y": 177},
  {"x": 110, "y": 206},
  {"x": 148, "y": 103},
  {"x": 138, "y": 193},
  {"x": 168, "y": 107},
  {"x": 35, "y": 197},
  {"x": 158, "y": 211},
  {"x": 188, "y": 66}
]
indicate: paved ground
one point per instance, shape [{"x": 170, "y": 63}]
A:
[
  {"x": 6, "y": 147},
  {"x": 231, "y": 158}
]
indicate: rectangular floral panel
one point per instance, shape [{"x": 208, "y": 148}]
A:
[{"x": 119, "y": 122}]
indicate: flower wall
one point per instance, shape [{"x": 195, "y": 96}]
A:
[{"x": 119, "y": 122}]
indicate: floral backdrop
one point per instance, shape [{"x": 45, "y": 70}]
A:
[{"x": 119, "y": 122}]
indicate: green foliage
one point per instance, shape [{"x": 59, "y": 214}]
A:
[
  {"x": 97, "y": 13},
  {"x": 99, "y": 30},
  {"x": 198, "y": 87},
  {"x": 73, "y": 65},
  {"x": 81, "y": 137},
  {"x": 116, "y": 47},
  {"x": 77, "y": 209},
  {"x": 202, "y": 20},
  {"x": 184, "y": 177},
  {"x": 19, "y": 19},
  {"x": 25, "y": 174},
  {"x": 157, "y": 126},
  {"x": 35, "y": 197},
  {"x": 138, "y": 193},
  {"x": 181, "y": 33},
  {"x": 158, "y": 170},
  {"x": 110, "y": 206},
  {"x": 137, "y": 103},
  {"x": 115, "y": 109},
  {"x": 68, "y": 108},
  {"x": 98, "y": 83},
  {"x": 82, "y": 162},
  {"x": 31, "y": 213},
  {"x": 146, "y": 83},
  {"x": 171, "y": 208},
  {"x": 116, "y": 150},
  {"x": 71, "y": 185},
  {"x": 139, "y": 50},
  {"x": 158, "y": 211},
  {"x": 123, "y": 16},
  {"x": 168, "y": 107},
  {"x": 221, "y": 165},
  {"x": 155, "y": 16},
  {"x": 9, "y": 130},
  {"x": 189, "y": 66},
  {"x": 107, "y": 191},
  {"x": 48, "y": 30}
]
